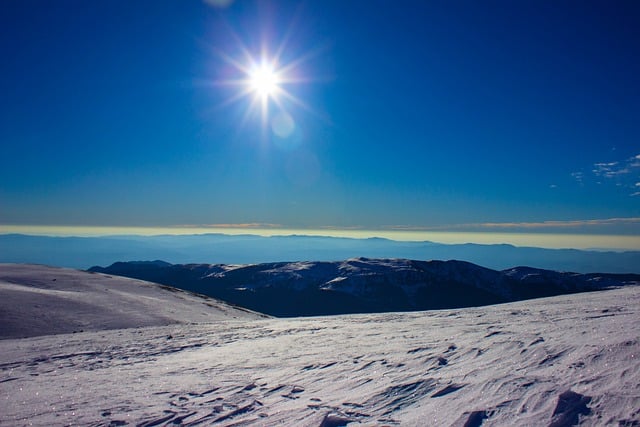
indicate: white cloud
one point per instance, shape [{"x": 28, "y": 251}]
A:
[
  {"x": 613, "y": 169},
  {"x": 623, "y": 173},
  {"x": 610, "y": 170},
  {"x": 248, "y": 225},
  {"x": 601, "y": 224},
  {"x": 556, "y": 224},
  {"x": 578, "y": 176}
]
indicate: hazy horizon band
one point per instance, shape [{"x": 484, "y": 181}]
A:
[{"x": 542, "y": 240}]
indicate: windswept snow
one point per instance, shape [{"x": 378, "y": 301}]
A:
[
  {"x": 548, "y": 362},
  {"x": 39, "y": 300}
]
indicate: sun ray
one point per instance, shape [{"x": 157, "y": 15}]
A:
[
  {"x": 297, "y": 101},
  {"x": 265, "y": 78}
]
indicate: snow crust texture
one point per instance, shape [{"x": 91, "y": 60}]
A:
[{"x": 561, "y": 361}]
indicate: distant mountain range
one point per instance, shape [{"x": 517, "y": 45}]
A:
[
  {"x": 83, "y": 252},
  {"x": 363, "y": 285}
]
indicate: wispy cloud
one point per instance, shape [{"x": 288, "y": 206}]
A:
[
  {"x": 578, "y": 176},
  {"x": 609, "y": 170},
  {"x": 561, "y": 224},
  {"x": 622, "y": 173},
  {"x": 551, "y": 225},
  {"x": 248, "y": 225},
  {"x": 341, "y": 227}
]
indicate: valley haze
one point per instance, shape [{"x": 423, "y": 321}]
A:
[{"x": 88, "y": 251}]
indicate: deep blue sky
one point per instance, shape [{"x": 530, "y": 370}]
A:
[{"x": 418, "y": 114}]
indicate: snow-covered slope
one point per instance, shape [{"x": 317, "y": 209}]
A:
[
  {"x": 39, "y": 300},
  {"x": 364, "y": 285},
  {"x": 547, "y": 362}
]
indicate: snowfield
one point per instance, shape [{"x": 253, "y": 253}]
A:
[
  {"x": 557, "y": 361},
  {"x": 39, "y": 300}
]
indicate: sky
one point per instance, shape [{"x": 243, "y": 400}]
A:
[{"x": 494, "y": 116}]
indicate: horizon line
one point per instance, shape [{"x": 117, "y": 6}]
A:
[{"x": 555, "y": 240}]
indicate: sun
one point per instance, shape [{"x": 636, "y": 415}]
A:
[{"x": 264, "y": 81}]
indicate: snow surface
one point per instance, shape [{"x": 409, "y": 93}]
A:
[
  {"x": 39, "y": 300},
  {"x": 547, "y": 362}
]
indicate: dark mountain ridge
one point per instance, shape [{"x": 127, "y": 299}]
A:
[{"x": 364, "y": 285}]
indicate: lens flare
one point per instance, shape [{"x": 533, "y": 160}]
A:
[{"x": 266, "y": 79}]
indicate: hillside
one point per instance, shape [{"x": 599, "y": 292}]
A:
[{"x": 39, "y": 300}]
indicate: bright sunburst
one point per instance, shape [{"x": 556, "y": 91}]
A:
[{"x": 264, "y": 81}]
